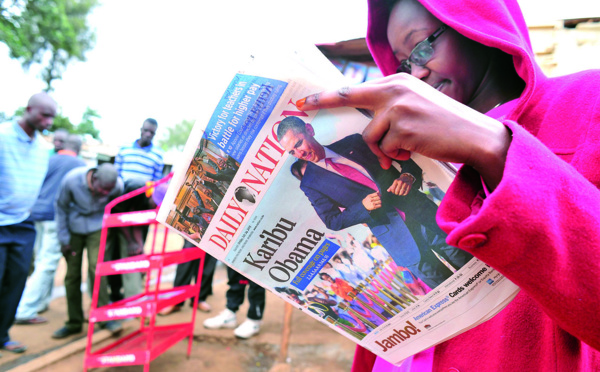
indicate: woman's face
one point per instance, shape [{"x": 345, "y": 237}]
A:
[{"x": 458, "y": 64}]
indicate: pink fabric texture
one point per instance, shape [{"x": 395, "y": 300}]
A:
[{"x": 542, "y": 222}]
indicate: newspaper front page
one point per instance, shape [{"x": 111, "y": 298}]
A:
[{"x": 297, "y": 203}]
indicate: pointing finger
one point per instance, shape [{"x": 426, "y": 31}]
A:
[
  {"x": 366, "y": 95},
  {"x": 360, "y": 96}
]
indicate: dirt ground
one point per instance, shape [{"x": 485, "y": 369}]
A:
[{"x": 313, "y": 347}]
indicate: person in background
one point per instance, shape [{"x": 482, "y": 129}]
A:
[
  {"x": 189, "y": 270},
  {"x": 38, "y": 291},
  {"x": 235, "y": 297},
  {"x": 60, "y": 137},
  {"x": 128, "y": 241},
  {"x": 462, "y": 85},
  {"x": 80, "y": 206},
  {"x": 23, "y": 166},
  {"x": 142, "y": 159},
  {"x": 137, "y": 164}
]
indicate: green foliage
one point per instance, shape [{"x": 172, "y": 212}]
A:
[
  {"x": 19, "y": 112},
  {"x": 87, "y": 123},
  {"x": 86, "y": 126},
  {"x": 4, "y": 117},
  {"x": 49, "y": 32},
  {"x": 62, "y": 122},
  {"x": 176, "y": 136}
]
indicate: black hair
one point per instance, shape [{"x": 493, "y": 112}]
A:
[
  {"x": 322, "y": 274},
  {"x": 290, "y": 123},
  {"x": 151, "y": 121}
]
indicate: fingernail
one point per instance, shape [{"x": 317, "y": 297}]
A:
[{"x": 300, "y": 103}]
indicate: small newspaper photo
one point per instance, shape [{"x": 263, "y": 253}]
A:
[{"x": 297, "y": 202}]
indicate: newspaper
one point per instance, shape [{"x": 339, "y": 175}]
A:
[{"x": 371, "y": 265}]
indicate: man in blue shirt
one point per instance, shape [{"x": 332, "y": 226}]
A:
[
  {"x": 141, "y": 159},
  {"x": 23, "y": 165},
  {"x": 136, "y": 164},
  {"x": 37, "y": 294}
]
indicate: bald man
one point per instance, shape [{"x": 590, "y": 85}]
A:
[
  {"x": 79, "y": 209},
  {"x": 23, "y": 164},
  {"x": 37, "y": 294}
]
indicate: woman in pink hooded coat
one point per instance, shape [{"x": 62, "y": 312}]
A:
[{"x": 526, "y": 201}]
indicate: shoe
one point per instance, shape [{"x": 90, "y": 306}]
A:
[
  {"x": 247, "y": 329},
  {"x": 32, "y": 321},
  {"x": 225, "y": 319},
  {"x": 204, "y": 307},
  {"x": 170, "y": 310},
  {"x": 14, "y": 347},
  {"x": 64, "y": 332},
  {"x": 113, "y": 327}
]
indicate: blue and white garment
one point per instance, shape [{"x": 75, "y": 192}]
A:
[
  {"x": 140, "y": 162},
  {"x": 23, "y": 166}
]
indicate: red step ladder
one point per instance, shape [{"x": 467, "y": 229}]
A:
[{"x": 150, "y": 340}]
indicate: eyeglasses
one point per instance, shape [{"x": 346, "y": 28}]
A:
[{"x": 422, "y": 52}]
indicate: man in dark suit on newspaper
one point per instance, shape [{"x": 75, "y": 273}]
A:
[{"x": 346, "y": 186}]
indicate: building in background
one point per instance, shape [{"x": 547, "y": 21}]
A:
[{"x": 560, "y": 48}]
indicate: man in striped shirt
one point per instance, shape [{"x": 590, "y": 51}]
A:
[
  {"x": 141, "y": 159},
  {"x": 136, "y": 163},
  {"x": 23, "y": 166}
]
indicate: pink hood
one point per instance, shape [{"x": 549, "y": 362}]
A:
[{"x": 497, "y": 23}]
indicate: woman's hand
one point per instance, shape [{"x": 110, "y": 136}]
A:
[{"x": 410, "y": 115}]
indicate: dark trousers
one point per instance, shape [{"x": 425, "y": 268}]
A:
[
  {"x": 430, "y": 269},
  {"x": 235, "y": 294},
  {"x": 116, "y": 248},
  {"x": 423, "y": 211},
  {"x": 16, "y": 250},
  {"x": 90, "y": 242},
  {"x": 188, "y": 271},
  {"x": 421, "y": 222},
  {"x": 115, "y": 282}
]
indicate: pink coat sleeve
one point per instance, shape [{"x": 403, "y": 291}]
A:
[{"x": 540, "y": 228}]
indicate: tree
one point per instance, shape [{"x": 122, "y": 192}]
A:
[
  {"x": 8, "y": 117},
  {"x": 48, "y": 32},
  {"x": 62, "y": 122},
  {"x": 87, "y": 123},
  {"x": 86, "y": 126},
  {"x": 177, "y": 136}
]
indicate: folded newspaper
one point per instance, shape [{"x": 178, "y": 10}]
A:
[{"x": 297, "y": 202}]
